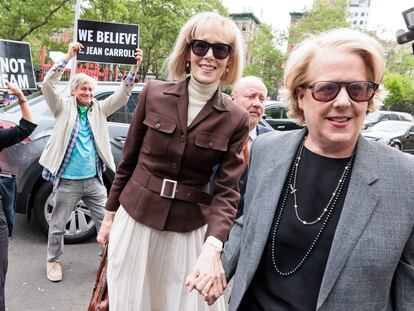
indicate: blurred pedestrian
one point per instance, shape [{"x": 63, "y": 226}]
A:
[
  {"x": 250, "y": 93},
  {"x": 9, "y": 137},
  {"x": 328, "y": 219},
  {"x": 166, "y": 224},
  {"x": 78, "y": 150}
]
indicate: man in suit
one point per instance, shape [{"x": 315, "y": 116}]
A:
[{"x": 250, "y": 93}]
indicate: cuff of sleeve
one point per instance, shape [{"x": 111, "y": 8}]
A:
[
  {"x": 111, "y": 212},
  {"x": 215, "y": 242},
  {"x": 130, "y": 77},
  {"x": 61, "y": 64}
]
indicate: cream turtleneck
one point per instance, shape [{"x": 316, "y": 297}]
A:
[{"x": 198, "y": 96}]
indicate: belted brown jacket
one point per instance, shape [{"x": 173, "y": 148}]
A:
[{"x": 164, "y": 158}]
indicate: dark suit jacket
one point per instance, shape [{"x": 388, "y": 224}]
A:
[
  {"x": 243, "y": 179},
  {"x": 159, "y": 142}
]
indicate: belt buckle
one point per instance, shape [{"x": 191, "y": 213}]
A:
[{"x": 164, "y": 184}]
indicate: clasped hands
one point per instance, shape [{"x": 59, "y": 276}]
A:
[{"x": 208, "y": 276}]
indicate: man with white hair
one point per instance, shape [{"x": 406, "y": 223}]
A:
[{"x": 78, "y": 150}]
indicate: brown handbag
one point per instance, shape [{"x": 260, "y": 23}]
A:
[{"x": 99, "y": 300}]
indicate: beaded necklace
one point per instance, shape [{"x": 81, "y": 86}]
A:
[{"x": 326, "y": 211}]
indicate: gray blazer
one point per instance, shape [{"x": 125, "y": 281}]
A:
[{"x": 371, "y": 262}]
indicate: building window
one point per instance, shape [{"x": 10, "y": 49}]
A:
[
  {"x": 361, "y": 22},
  {"x": 362, "y": 14},
  {"x": 355, "y": 22}
]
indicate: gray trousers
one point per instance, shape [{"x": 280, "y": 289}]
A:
[
  {"x": 4, "y": 243},
  {"x": 68, "y": 193}
]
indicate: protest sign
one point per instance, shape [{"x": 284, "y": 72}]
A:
[
  {"x": 107, "y": 42},
  {"x": 16, "y": 65}
]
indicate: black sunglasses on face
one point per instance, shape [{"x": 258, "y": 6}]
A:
[
  {"x": 220, "y": 50},
  {"x": 359, "y": 91}
]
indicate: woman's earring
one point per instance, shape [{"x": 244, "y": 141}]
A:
[
  {"x": 227, "y": 69},
  {"x": 187, "y": 67}
]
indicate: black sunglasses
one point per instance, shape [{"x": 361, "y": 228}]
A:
[
  {"x": 359, "y": 91},
  {"x": 220, "y": 50}
]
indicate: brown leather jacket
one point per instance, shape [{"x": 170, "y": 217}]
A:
[{"x": 160, "y": 146}]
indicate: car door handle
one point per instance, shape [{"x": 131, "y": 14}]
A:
[{"x": 120, "y": 138}]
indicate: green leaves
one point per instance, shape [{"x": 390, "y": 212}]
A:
[{"x": 265, "y": 59}]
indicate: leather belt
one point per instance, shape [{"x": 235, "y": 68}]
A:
[{"x": 171, "y": 189}]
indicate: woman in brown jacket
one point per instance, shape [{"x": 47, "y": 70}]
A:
[{"x": 163, "y": 224}]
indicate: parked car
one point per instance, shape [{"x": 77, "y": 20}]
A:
[
  {"x": 384, "y": 115},
  {"x": 275, "y": 115},
  {"x": 34, "y": 194},
  {"x": 396, "y": 134}
]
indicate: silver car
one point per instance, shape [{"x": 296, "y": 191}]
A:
[{"x": 33, "y": 192}]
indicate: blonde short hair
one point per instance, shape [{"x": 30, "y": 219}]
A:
[
  {"x": 176, "y": 61},
  {"x": 341, "y": 40},
  {"x": 79, "y": 79}
]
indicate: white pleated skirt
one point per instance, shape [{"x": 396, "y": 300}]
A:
[{"x": 147, "y": 268}]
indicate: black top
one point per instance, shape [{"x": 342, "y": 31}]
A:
[
  {"x": 317, "y": 179},
  {"x": 13, "y": 135}
]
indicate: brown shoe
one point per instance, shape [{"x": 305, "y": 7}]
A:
[{"x": 54, "y": 271}]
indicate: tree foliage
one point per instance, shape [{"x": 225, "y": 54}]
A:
[
  {"x": 321, "y": 17},
  {"x": 266, "y": 61},
  {"x": 35, "y": 22},
  {"x": 400, "y": 89},
  {"x": 22, "y": 20}
]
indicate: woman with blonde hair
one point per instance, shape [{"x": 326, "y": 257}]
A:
[
  {"x": 328, "y": 217},
  {"x": 161, "y": 222}
]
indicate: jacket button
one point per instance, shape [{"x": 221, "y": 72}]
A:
[
  {"x": 157, "y": 126},
  {"x": 174, "y": 165},
  {"x": 182, "y": 138},
  {"x": 210, "y": 145}
]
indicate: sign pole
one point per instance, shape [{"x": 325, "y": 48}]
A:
[{"x": 75, "y": 36}]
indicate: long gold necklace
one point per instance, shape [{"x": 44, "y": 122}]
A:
[
  {"x": 293, "y": 190},
  {"x": 329, "y": 209}
]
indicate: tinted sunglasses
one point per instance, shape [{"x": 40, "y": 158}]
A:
[
  {"x": 220, "y": 50},
  {"x": 359, "y": 91}
]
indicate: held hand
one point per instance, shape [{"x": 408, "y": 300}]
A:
[
  {"x": 208, "y": 274},
  {"x": 14, "y": 90},
  {"x": 103, "y": 235},
  {"x": 73, "y": 49},
  {"x": 210, "y": 297},
  {"x": 138, "y": 57}
]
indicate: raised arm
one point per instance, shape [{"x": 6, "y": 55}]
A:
[
  {"x": 53, "y": 98},
  {"x": 13, "y": 135},
  {"x": 24, "y": 106},
  {"x": 121, "y": 95}
]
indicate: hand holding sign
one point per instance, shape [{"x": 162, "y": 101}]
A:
[
  {"x": 73, "y": 49},
  {"x": 16, "y": 91},
  {"x": 138, "y": 57},
  {"x": 13, "y": 89}
]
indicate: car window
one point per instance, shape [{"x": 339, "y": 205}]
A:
[
  {"x": 394, "y": 117},
  {"x": 373, "y": 116},
  {"x": 385, "y": 117},
  {"x": 406, "y": 117},
  {"x": 276, "y": 112},
  {"x": 123, "y": 114}
]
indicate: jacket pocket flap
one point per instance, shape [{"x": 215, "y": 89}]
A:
[
  {"x": 159, "y": 122},
  {"x": 212, "y": 141}
]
